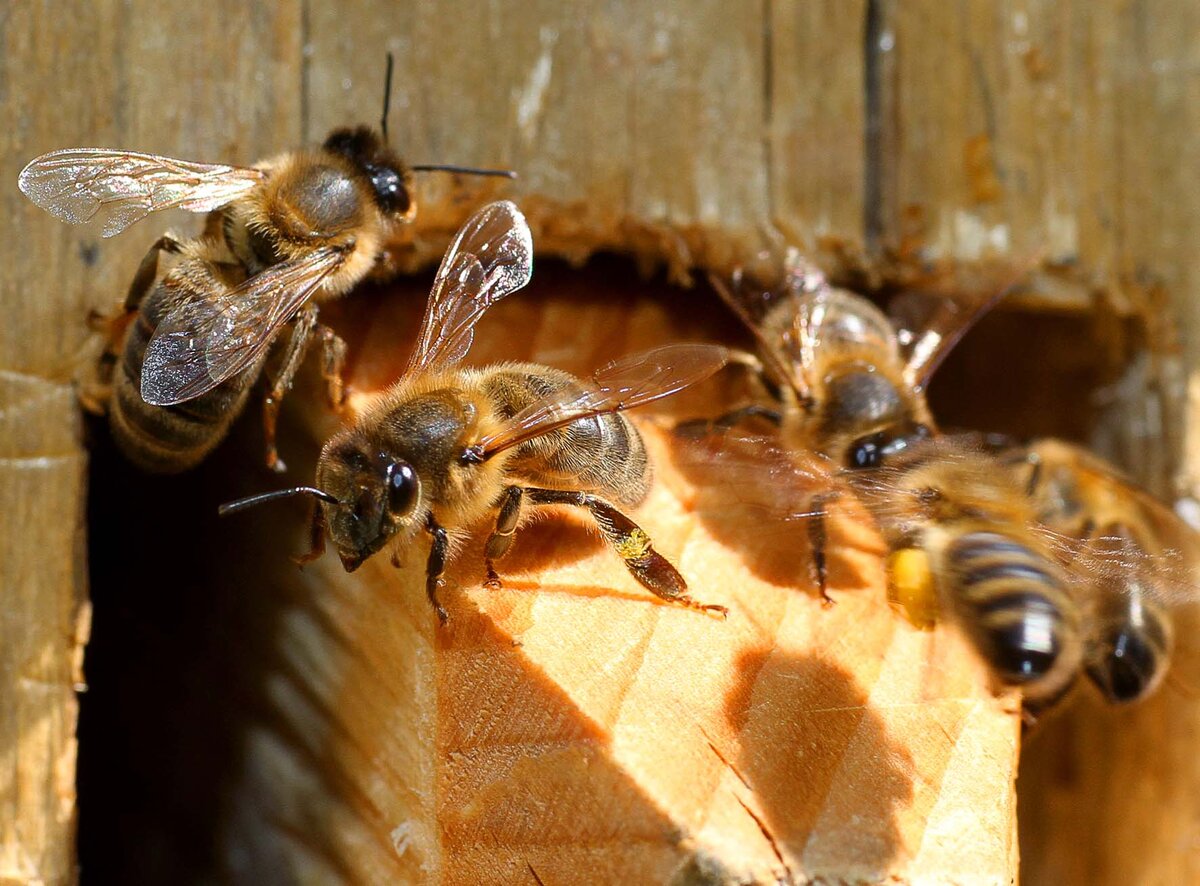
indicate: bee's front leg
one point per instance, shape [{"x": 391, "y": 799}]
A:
[
  {"x": 333, "y": 353},
  {"x": 436, "y": 565}
]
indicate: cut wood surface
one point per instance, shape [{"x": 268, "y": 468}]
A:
[
  {"x": 573, "y": 728},
  {"x": 696, "y": 133}
]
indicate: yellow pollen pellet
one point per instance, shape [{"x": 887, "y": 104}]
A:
[
  {"x": 911, "y": 588},
  {"x": 634, "y": 546}
]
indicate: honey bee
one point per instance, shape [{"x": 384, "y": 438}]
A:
[
  {"x": 283, "y": 235},
  {"x": 850, "y": 407},
  {"x": 1131, "y": 556},
  {"x": 447, "y": 446}
]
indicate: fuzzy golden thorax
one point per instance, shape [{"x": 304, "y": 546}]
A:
[
  {"x": 843, "y": 352},
  {"x": 401, "y": 464},
  {"x": 348, "y": 195}
]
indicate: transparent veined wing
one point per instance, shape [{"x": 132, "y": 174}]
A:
[
  {"x": 632, "y": 381},
  {"x": 931, "y": 318},
  {"x": 203, "y": 342},
  {"x": 491, "y": 256},
  {"x": 780, "y": 348},
  {"x": 123, "y": 187}
]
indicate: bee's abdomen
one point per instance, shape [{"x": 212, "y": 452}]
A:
[
  {"x": 604, "y": 454},
  {"x": 168, "y": 439},
  {"x": 1130, "y": 633},
  {"x": 1013, "y": 604}
]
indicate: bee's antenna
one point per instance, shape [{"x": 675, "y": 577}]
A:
[
  {"x": 250, "y": 501},
  {"x": 387, "y": 96},
  {"x": 463, "y": 170}
]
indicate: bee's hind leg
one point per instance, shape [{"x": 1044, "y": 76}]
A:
[{"x": 632, "y": 545}]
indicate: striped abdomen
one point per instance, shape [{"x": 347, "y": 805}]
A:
[
  {"x": 1130, "y": 633},
  {"x": 604, "y": 455},
  {"x": 1012, "y": 601},
  {"x": 167, "y": 439}
]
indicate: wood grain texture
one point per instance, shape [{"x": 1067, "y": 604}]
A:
[
  {"x": 214, "y": 81},
  {"x": 573, "y": 726},
  {"x": 689, "y": 134},
  {"x": 44, "y": 623}
]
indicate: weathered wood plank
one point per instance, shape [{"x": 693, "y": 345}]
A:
[
  {"x": 686, "y": 135},
  {"x": 44, "y": 622},
  {"x": 207, "y": 81}
]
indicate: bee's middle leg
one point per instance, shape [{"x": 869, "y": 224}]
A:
[
  {"x": 302, "y": 333},
  {"x": 818, "y": 540}
]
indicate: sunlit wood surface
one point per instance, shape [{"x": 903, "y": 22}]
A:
[{"x": 696, "y": 133}]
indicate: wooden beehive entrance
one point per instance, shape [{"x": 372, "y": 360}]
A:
[{"x": 213, "y": 734}]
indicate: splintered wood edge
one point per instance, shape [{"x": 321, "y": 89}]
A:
[
  {"x": 577, "y": 231},
  {"x": 47, "y": 621},
  {"x": 572, "y": 722}
]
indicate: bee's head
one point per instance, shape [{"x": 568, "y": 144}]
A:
[
  {"x": 376, "y": 497},
  {"x": 390, "y": 179}
]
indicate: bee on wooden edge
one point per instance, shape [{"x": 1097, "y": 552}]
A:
[
  {"x": 447, "y": 446},
  {"x": 1047, "y": 578},
  {"x": 282, "y": 236}
]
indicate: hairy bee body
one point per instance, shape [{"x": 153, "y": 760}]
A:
[
  {"x": 856, "y": 375},
  {"x": 297, "y": 229},
  {"x": 318, "y": 198},
  {"x": 446, "y": 446},
  {"x": 850, "y": 392},
  {"x": 1127, "y": 551},
  {"x": 998, "y": 579},
  {"x": 992, "y": 572},
  {"x": 603, "y": 454},
  {"x": 429, "y": 421},
  {"x": 347, "y": 196}
]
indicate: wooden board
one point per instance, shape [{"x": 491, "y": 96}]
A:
[
  {"x": 573, "y": 726},
  {"x": 189, "y": 81},
  {"x": 689, "y": 134}
]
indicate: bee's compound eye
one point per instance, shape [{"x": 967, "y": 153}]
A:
[
  {"x": 402, "y": 487},
  {"x": 866, "y": 452},
  {"x": 389, "y": 188}
]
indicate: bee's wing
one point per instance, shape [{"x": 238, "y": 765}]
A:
[
  {"x": 1116, "y": 564},
  {"x": 491, "y": 256},
  {"x": 752, "y": 303},
  {"x": 124, "y": 187},
  {"x": 1170, "y": 572},
  {"x": 931, "y": 318},
  {"x": 201, "y": 343},
  {"x": 623, "y": 384},
  {"x": 756, "y": 476}
]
